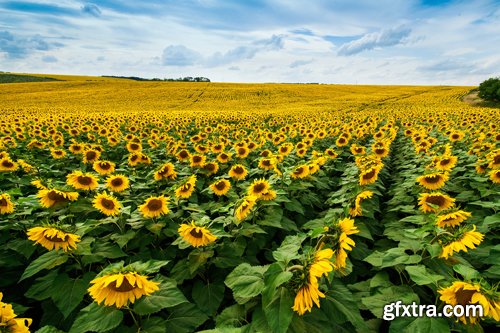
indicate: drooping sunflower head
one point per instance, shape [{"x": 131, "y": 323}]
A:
[
  {"x": 107, "y": 204},
  {"x": 357, "y": 210},
  {"x": 300, "y": 172},
  {"x": 120, "y": 289},
  {"x": 460, "y": 239},
  {"x": 104, "y": 167},
  {"x": 186, "y": 189},
  {"x": 452, "y": 219},
  {"x": 51, "y": 197},
  {"x": 82, "y": 181},
  {"x": 433, "y": 181},
  {"x": 245, "y": 207},
  {"x": 155, "y": 206},
  {"x": 238, "y": 172},
  {"x": 221, "y": 187},
  {"x": 53, "y": 238},
  {"x": 196, "y": 235},
  {"x": 435, "y": 202},
  {"x": 166, "y": 171},
  {"x": 6, "y": 204},
  {"x": 117, "y": 183},
  {"x": 369, "y": 176}
]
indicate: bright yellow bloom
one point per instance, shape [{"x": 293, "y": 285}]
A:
[
  {"x": 356, "y": 210},
  {"x": 8, "y": 321},
  {"x": 307, "y": 295},
  {"x": 117, "y": 183},
  {"x": 244, "y": 208},
  {"x": 155, "y": 206},
  {"x": 495, "y": 176},
  {"x": 196, "y": 235},
  {"x": 440, "y": 200},
  {"x": 52, "y": 197},
  {"x": 187, "y": 188},
  {"x": 433, "y": 181},
  {"x": 82, "y": 181},
  {"x": 238, "y": 172},
  {"x": 107, "y": 204},
  {"x": 7, "y": 165},
  {"x": 6, "y": 205},
  {"x": 300, "y": 172},
  {"x": 121, "y": 288},
  {"x": 166, "y": 171},
  {"x": 220, "y": 187},
  {"x": 53, "y": 238},
  {"x": 468, "y": 239},
  {"x": 104, "y": 167},
  {"x": 321, "y": 264},
  {"x": 344, "y": 243},
  {"x": 452, "y": 219},
  {"x": 258, "y": 187}
]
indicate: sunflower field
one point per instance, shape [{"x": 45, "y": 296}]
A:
[{"x": 206, "y": 207}]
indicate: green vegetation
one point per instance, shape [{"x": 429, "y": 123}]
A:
[
  {"x": 16, "y": 78},
  {"x": 490, "y": 89}
]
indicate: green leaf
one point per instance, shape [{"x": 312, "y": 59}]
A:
[
  {"x": 279, "y": 311},
  {"x": 43, "y": 287},
  {"x": 74, "y": 291},
  {"x": 49, "y": 329},
  {"x": 168, "y": 296},
  {"x": 421, "y": 276},
  {"x": 376, "y": 303},
  {"x": 47, "y": 260},
  {"x": 246, "y": 281},
  {"x": 468, "y": 272},
  {"x": 184, "y": 318},
  {"x": 295, "y": 206},
  {"x": 343, "y": 300},
  {"x": 154, "y": 325},
  {"x": 148, "y": 267},
  {"x": 96, "y": 318},
  {"x": 419, "y": 325},
  {"x": 392, "y": 257},
  {"x": 287, "y": 252},
  {"x": 123, "y": 239},
  {"x": 233, "y": 315},
  {"x": 198, "y": 258},
  {"x": 209, "y": 296}
]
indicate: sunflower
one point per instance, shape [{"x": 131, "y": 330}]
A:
[
  {"x": 456, "y": 136},
  {"x": 38, "y": 184},
  {"x": 211, "y": 168},
  {"x": 121, "y": 288},
  {"x": 183, "y": 155},
  {"x": 104, "y": 167},
  {"x": 220, "y": 187},
  {"x": 185, "y": 190},
  {"x": 91, "y": 155},
  {"x": 460, "y": 242},
  {"x": 243, "y": 209},
  {"x": 357, "y": 210},
  {"x": 306, "y": 295},
  {"x": 82, "y": 181},
  {"x": 300, "y": 172},
  {"x": 321, "y": 264},
  {"x": 8, "y": 321},
  {"x": 134, "y": 147},
  {"x": 197, "y": 161},
  {"x": 357, "y": 150},
  {"x": 224, "y": 157},
  {"x": 258, "y": 187},
  {"x": 52, "y": 197},
  {"x": 107, "y": 204},
  {"x": 369, "y": 176},
  {"x": 53, "y": 238},
  {"x": 6, "y": 205},
  {"x": 57, "y": 153},
  {"x": 8, "y": 165},
  {"x": 341, "y": 142},
  {"x": 155, "y": 206},
  {"x": 464, "y": 293},
  {"x": 269, "y": 195},
  {"x": 242, "y": 152},
  {"x": 445, "y": 162},
  {"x": 196, "y": 235},
  {"x": 439, "y": 200},
  {"x": 238, "y": 172},
  {"x": 452, "y": 219},
  {"x": 267, "y": 163},
  {"x": 76, "y": 148},
  {"x": 495, "y": 176},
  {"x": 433, "y": 181},
  {"x": 117, "y": 183},
  {"x": 166, "y": 171}
]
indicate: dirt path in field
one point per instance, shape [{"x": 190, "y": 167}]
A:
[{"x": 472, "y": 99}]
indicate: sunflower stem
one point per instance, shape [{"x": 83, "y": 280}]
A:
[
  {"x": 295, "y": 268},
  {"x": 134, "y": 319}
]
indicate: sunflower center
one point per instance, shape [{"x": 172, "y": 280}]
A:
[
  {"x": 432, "y": 179},
  {"x": 341, "y": 140},
  {"x": 54, "y": 196},
  {"x": 224, "y": 156},
  {"x": 123, "y": 288},
  {"x": 464, "y": 296},
  {"x": 369, "y": 175},
  {"x": 238, "y": 170},
  {"x": 90, "y": 155},
  {"x": 155, "y": 204},
  {"x": 438, "y": 200},
  {"x": 186, "y": 187},
  {"x": 56, "y": 239},
  {"x": 283, "y": 149},
  {"x": 266, "y": 163},
  {"x": 3, "y": 202},
  {"x": 455, "y": 136},
  {"x": 84, "y": 180},
  {"x": 196, "y": 159},
  {"x": 379, "y": 150},
  {"x": 196, "y": 233},
  {"x": 358, "y": 150},
  {"x": 134, "y": 158},
  {"x": 299, "y": 171},
  {"x": 259, "y": 187},
  {"x": 496, "y": 159},
  {"x": 108, "y": 204},
  {"x": 117, "y": 182},
  {"x": 164, "y": 171},
  {"x": 7, "y": 164},
  {"x": 183, "y": 154},
  {"x": 210, "y": 167},
  {"x": 105, "y": 165},
  {"x": 445, "y": 162},
  {"x": 220, "y": 186},
  {"x": 134, "y": 146},
  {"x": 242, "y": 151}
]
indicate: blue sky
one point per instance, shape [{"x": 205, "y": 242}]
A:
[{"x": 340, "y": 41}]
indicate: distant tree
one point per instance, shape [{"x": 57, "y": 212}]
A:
[{"x": 490, "y": 89}]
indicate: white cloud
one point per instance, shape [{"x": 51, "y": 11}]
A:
[{"x": 383, "y": 38}]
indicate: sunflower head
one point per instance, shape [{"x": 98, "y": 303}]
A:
[
  {"x": 433, "y": 181},
  {"x": 104, "y": 167},
  {"x": 107, "y": 204},
  {"x": 196, "y": 235},
  {"x": 52, "y": 197},
  {"x": 82, "y": 181},
  {"x": 221, "y": 187},
  {"x": 238, "y": 172},
  {"x": 300, "y": 172},
  {"x": 186, "y": 189},
  {"x": 155, "y": 206},
  {"x": 117, "y": 183},
  {"x": 258, "y": 187},
  {"x": 53, "y": 238},
  {"x": 120, "y": 289},
  {"x": 7, "y": 165},
  {"x": 245, "y": 207},
  {"x": 6, "y": 205},
  {"x": 435, "y": 202},
  {"x": 459, "y": 239}
]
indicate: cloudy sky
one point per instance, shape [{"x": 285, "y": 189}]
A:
[{"x": 339, "y": 41}]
